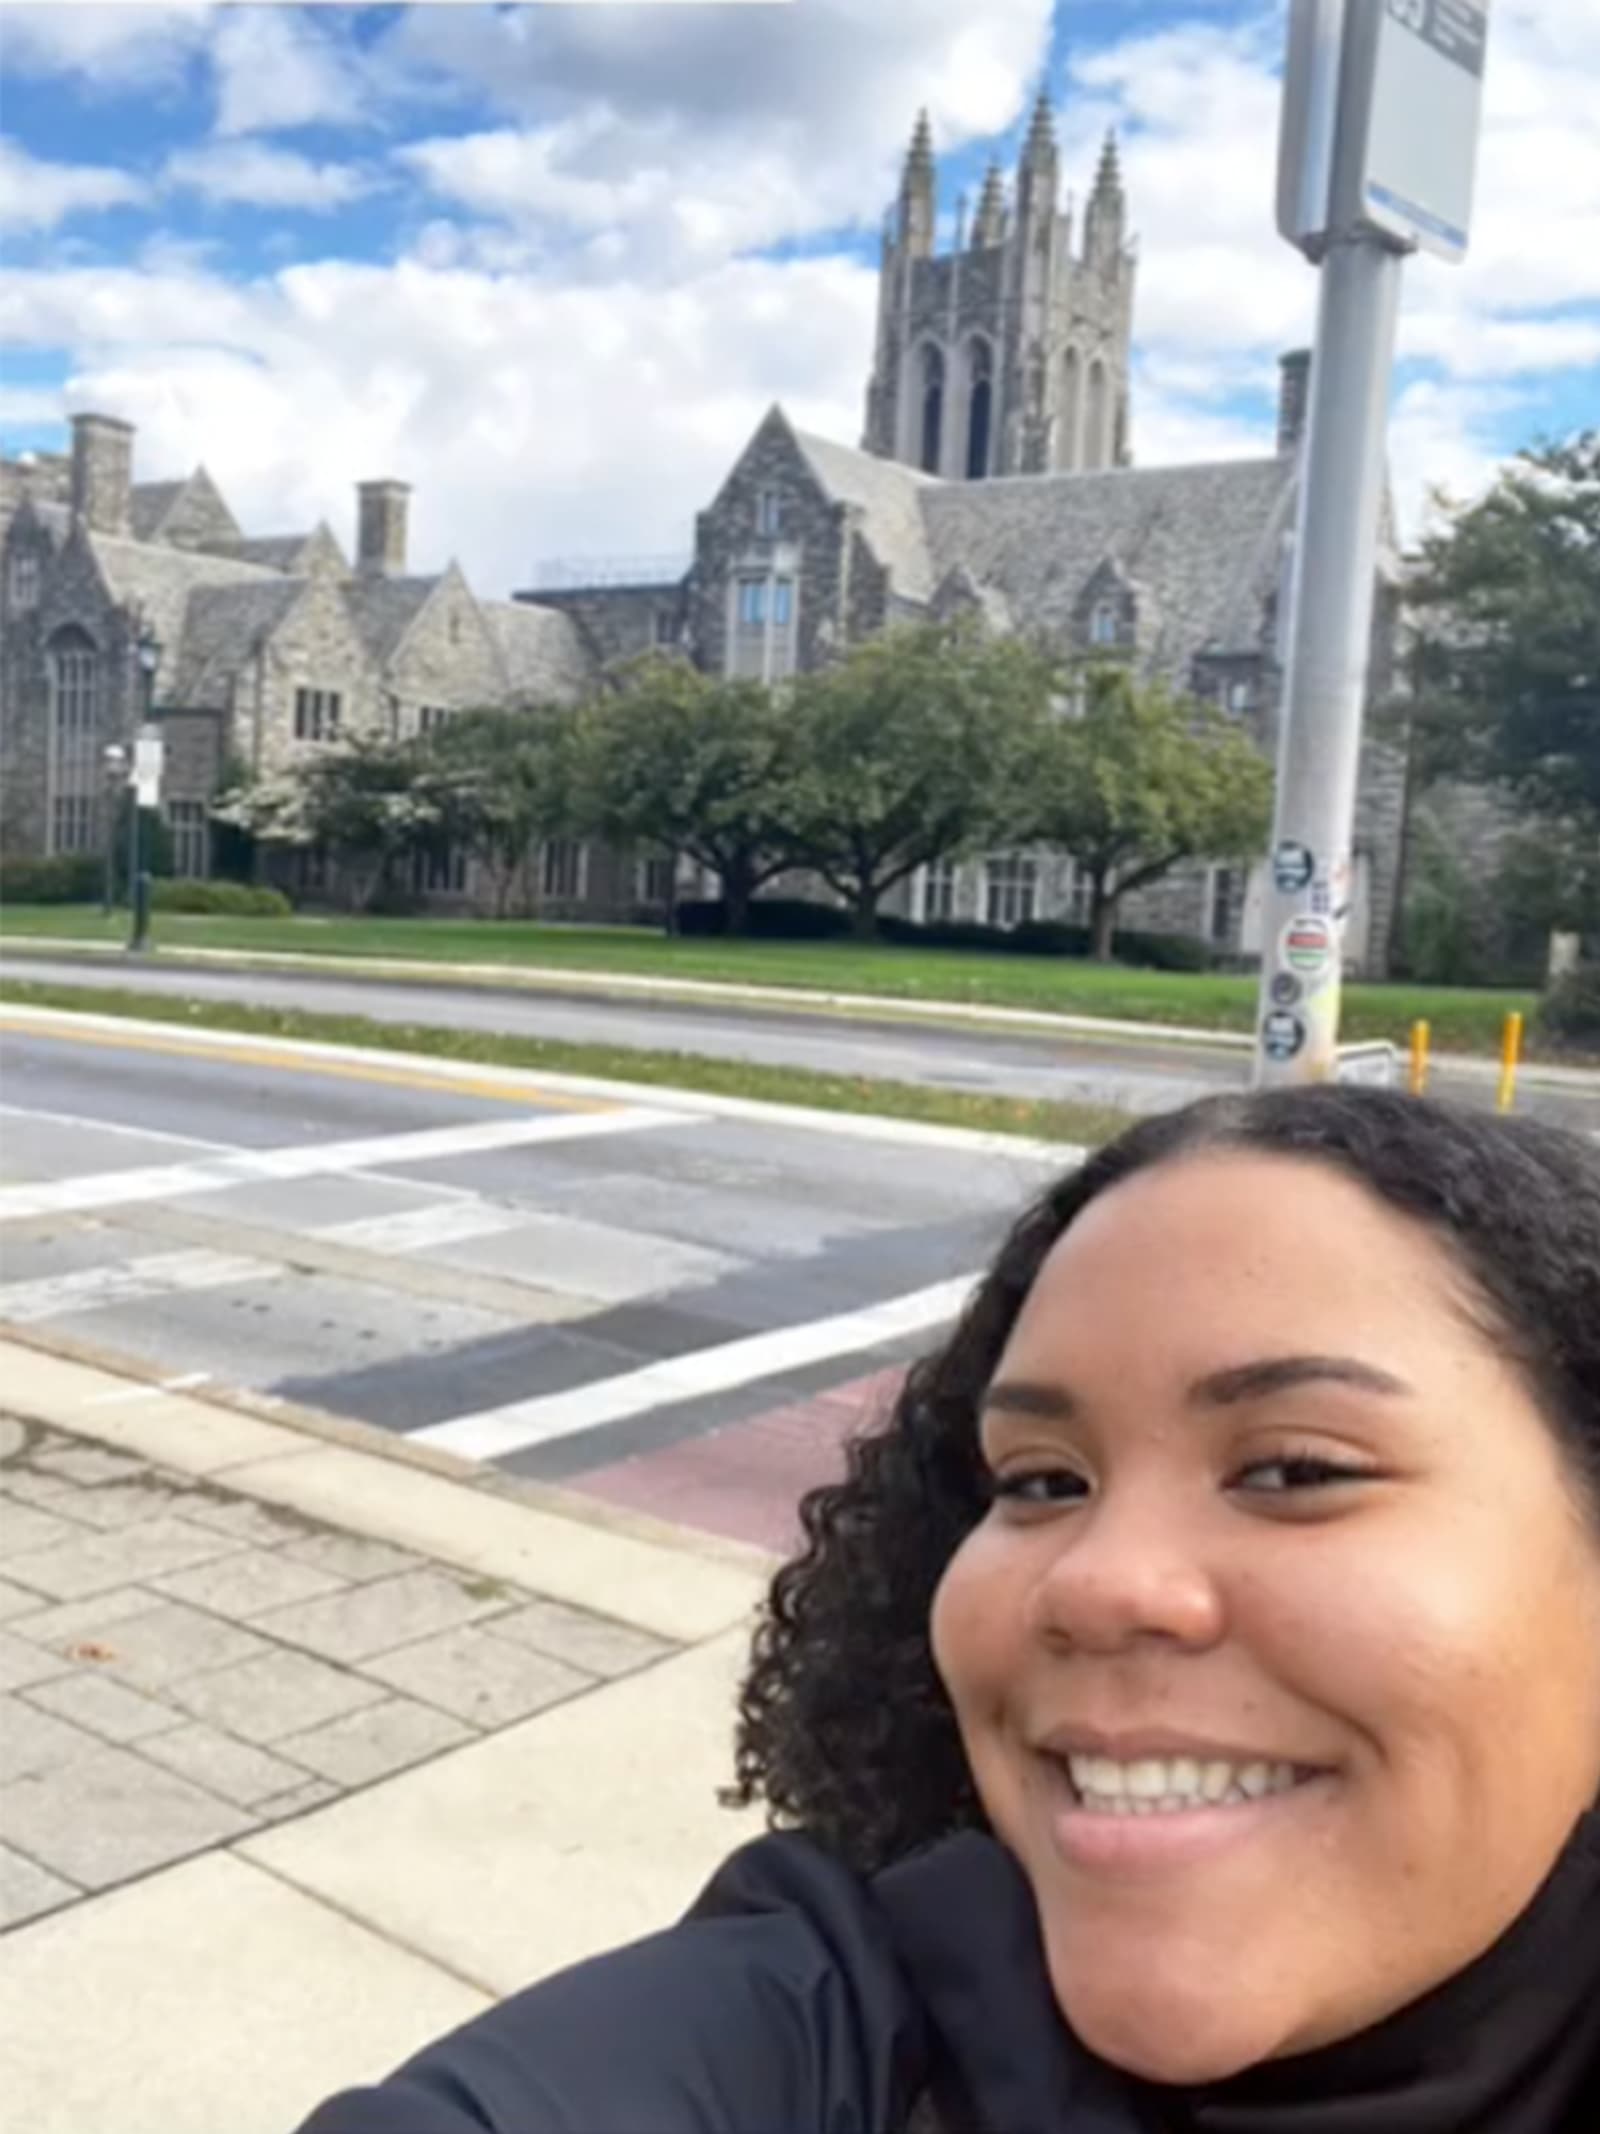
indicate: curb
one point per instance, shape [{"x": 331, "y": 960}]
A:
[{"x": 354, "y": 1436}]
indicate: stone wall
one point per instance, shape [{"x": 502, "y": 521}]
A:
[
  {"x": 448, "y": 658},
  {"x": 316, "y": 646},
  {"x": 728, "y": 540},
  {"x": 618, "y": 622}
]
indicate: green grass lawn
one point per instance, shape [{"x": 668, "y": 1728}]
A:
[{"x": 1463, "y": 1019}]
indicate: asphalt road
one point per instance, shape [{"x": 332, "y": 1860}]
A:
[
  {"x": 1135, "y": 1075},
  {"x": 636, "y": 1298}
]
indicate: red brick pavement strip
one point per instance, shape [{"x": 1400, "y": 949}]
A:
[{"x": 746, "y": 1480}]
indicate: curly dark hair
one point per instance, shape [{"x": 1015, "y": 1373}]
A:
[{"x": 844, "y": 1727}]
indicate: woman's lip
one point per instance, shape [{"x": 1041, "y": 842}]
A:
[{"x": 1099, "y": 1841}]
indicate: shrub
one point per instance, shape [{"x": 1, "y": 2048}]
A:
[
  {"x": 770, "y": 919},
  {"x": 221, "y": 900},
  {"x": 70, "y": 878},
  {"x": 1163, "y": 952},
  {"x": 1570, "y": 1010},
  {"x": 1049, "y": 937}
]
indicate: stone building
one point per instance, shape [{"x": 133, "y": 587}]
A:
[
  {"x": 996, "y": 480},
  {"x": 265, "y": 648}
]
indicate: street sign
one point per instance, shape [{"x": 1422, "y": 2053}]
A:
[
  {"x": 1421, "y": 66},
  {"x": 1308, "y": 121},
  {"x": 148, "y": 754},
  {"x": 1376, "y": 1065}
]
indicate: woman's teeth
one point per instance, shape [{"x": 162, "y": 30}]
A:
[{"x": 1157, "y": 1785}]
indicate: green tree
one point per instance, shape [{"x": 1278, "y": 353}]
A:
[
  {"x": 502, "y": 779},
  {"x": 1505, "y": 666},
  {"x": 1139, "y": 781},
  {"x": 917, "y": 746},
  {"x": 369, "y": 802},
  {"x": 695, "y": 764}
]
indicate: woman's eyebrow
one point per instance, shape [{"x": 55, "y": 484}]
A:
[{"x": 1055, "y": 1403}]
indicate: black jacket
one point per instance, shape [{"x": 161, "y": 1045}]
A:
[{"x": 794, "y": 1999}]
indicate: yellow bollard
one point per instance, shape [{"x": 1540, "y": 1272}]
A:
[
  {"x": 1510, "y": 1055},
  {"x": 1418, "y": 1080}
]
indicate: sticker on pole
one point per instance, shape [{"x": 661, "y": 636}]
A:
[
  {"x": 1309, "y": 947},
  {"x": 1292, "y": 866},
  {"x": 1282, "y": 1035},
  {"x": 148, "y": 755},
  {"x": 1287, "y": 991}
]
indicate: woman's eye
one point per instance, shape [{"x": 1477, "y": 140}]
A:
[
  {"x": 1300, "y": 1471},
  {"x": 1038, "y": 1485}
]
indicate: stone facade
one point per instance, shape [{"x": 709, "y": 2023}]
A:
[{"x": 266, "y": 647}]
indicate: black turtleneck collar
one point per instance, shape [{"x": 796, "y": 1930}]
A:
[{"x": 1511, "y": 2045}]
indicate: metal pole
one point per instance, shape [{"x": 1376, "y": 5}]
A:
[
  {"x": 136, "y": 917},
  {"x": 1330, "y": 627}
]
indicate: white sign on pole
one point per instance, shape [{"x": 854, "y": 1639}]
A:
[
  {"x": 1421, "y": 63},
  {"x": 1309, "y": 122},
  {"x": 148, "y": 754}
]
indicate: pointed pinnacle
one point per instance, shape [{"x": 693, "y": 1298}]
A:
[
  {"x": 921, "y": 142},
  {"x": 1042, "y": 126},
  {"x": 1108, "y": 178},
  {"x": 993, "y": 198}
]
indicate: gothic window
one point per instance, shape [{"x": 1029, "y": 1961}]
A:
[
  {"x": 769, "y": 514},
  {"x": 1096, "y": 440},
  {"x": 190, "y": 832},
  {"x": 75, "y": 713},
  {"x": 980, "y": 407},
  {"x": 938, "y": 891},
  {"x": 752, "y": 603},
  {"x": 316, "y": 714},
  {"x": 932, "y": 408},
  {"x": 1011, "y": 888},
  {"x": 23, "y": 588},
  {"x": 1071, "y": 411},
  {"x": 1226, "y": 887}
]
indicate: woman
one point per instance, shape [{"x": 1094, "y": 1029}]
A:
[{"x": 1186, "y": 1714}]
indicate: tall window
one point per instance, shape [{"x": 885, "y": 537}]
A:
[
  {"x": 664, "y": 627},
  {"x": 764, "y": 621},
  {"x": 22, "y": 588},
  {"x": 430, "y": 717},
  {"x": 980, "y": 407},
  {"x": 316, "y": 714},
  {"x": 1096, "y": 435},
  {"x": 1239, "y": 696},
  {"x": 1071, "y": 411},
  {"x": 1080, "y": 895},
  {"x": 190, "y": 830},
  {"x": 654, "y": 877},
  {"x": 563, "y": 869},
  {"x": 1011, "y": 888},
  {"x": 752, "y": 603},
  {"x": 75, "y": 715},
  {"x": 932, "y": 409},
  {"x": 938, "y": 891},
  {"x": 1226, "y": 889},
  {"x": 769, "y": 514},
  {"x": 1103, "y": 624},
  {"x": 440, "y": 871}
]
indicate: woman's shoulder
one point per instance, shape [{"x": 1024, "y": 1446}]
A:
[{"x": 777, "y": 2003}]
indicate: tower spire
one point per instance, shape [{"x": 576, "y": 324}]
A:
[
  {"x": 1102, "y": 224},
  {"x": 989, "y": 225},
  {"x": 917, "y": 191},
  {"x": 1041, "y": 129},
  {"x": 1038, "y": 174}
]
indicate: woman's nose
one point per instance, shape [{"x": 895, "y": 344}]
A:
[{"x": 1127, "y": 1571}]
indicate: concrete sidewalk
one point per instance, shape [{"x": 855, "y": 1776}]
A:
[{"x": 312, "y": 1745}]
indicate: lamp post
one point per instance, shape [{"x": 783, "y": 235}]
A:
[
  {"x": 115, "y": 760},
  {"x": 149, "y": 650}
]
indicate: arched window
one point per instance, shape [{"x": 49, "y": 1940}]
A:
[
  {"x": 1071, "y": 456},
  {"x": 1095, "y": 435},
  {"x": 932, "y": 408},
  {"x": 980, "y": 406},
  {"x": 75, "y": 713}
]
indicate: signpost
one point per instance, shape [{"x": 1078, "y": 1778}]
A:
[{"x": 1376, "y": 155}]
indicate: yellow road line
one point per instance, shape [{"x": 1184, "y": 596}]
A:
[{"x": 247, "y": 1055}]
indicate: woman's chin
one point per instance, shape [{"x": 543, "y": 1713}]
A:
[{"x": 1167, "y": 2036}]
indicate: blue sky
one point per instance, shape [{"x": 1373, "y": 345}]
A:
[{"x": 551, "y": 264}]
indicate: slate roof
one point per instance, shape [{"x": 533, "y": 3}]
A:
[
  {"x": 383, "y": 609},
  {"x": 891, "y": 499},
  {"x": 1204, "y": 538},
  {"x": 149, "y": 504},
  {"x": 543, "y": 653},
  {"x": 223, "y": 626},
  {"x": 274, "y": 552},
  {"x": 159, "y": 582}
]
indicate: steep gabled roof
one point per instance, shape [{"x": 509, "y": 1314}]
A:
[
  {"x": 383, "y": 610},
  {"x": 150, "y": 505},
  {"x": 223, "y": 628},
  {"x": 1203, "y": 537},
  {"x": 541, "y": 648},
  {"x": 889, "y": 497},
  {"x": 158, "y": 582}
]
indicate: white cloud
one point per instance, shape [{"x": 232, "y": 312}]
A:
[
  {"x": 276, "y": 68},
  {"x": 37, "y": 195},
  {"x": 106, "y": 49},
  {"x": 250, "y": 171},
  {"x": 534, "y": 419}
]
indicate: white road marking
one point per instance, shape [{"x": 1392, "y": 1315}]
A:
[
  {"x": 493, "y": 1432},
  {"x": 448, "y": 1222},
  {"x": 80, "y": 1124},
  {"x": 130, "y": 1282},
  {"x": 185, "y": 1382},
  {"x": 120, "y": 1189}
]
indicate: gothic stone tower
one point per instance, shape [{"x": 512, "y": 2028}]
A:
[{"x": 1009, "y": 354}]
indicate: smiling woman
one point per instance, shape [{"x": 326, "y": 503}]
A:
[{"x": 1186, "y": 1713}]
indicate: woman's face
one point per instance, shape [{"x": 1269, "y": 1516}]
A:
[{"x": 1271, "y": 1510}]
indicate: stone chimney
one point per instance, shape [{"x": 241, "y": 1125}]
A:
[
  {"x": 381, "y": 528},
  {"x": 1294, "y": 394},
  {"x": 102, "y": 473}
]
